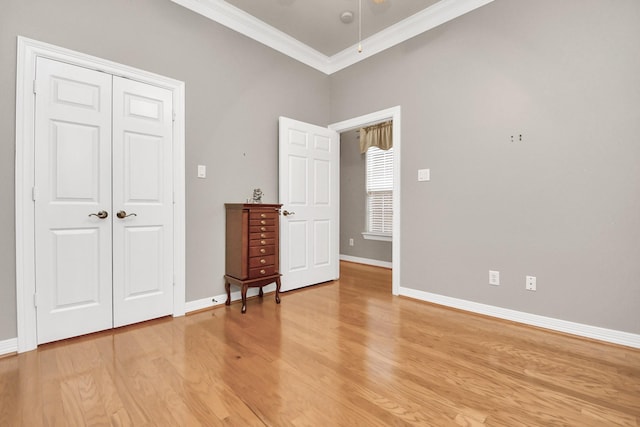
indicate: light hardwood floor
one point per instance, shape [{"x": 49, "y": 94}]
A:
[{"x": 340, "y": 354}]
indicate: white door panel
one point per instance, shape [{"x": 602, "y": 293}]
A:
[
  {"x": 142, "y": 180},
  {"x": 72, "y": 180},
  {"x": 309, "y": 186},
  {"x": 103, "y": 144}
]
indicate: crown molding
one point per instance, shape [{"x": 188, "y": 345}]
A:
[
  {"x": 248, "y": 25},
  {"x": 425, "y": 20}
]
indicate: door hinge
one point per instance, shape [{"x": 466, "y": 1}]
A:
[
  {"x": 35, "y": 300},
  {"x": 33, "y": 193},
  {"x": 173, "y": 116},
  {"x": 35, "y": 86}
]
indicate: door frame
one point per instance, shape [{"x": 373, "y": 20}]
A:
[
  {"x": 28, "y": 51},
  {"x": 393, "y": 114}
]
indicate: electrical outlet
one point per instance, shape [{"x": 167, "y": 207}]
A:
[
  {"x": 530, "y": 283},
  {"x": 494, "y": 278},
  {"x": 351, "y": 242}
]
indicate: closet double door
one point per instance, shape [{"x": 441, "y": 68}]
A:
[{"x": 103, "y": 201}]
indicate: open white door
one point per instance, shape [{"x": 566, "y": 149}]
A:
[{"x": 309, "y": 191}]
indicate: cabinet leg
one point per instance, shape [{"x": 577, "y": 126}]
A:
[
  {"x": 244, "y": 298},
  {"x": 260, "y": 293},
  {"x": 277, "y": 290},
  {"x": 227, "y": 287}
]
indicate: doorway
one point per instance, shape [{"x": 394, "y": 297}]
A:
[
  {"x": 392, "y": 114},
  {"x": 29, "y": 51},
  {"x": 102, "y": 144}
]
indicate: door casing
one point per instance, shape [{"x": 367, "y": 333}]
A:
[{"x": 28, "y": 51}]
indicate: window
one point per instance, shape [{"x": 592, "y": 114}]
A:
[{"x": 379, "y": 186}]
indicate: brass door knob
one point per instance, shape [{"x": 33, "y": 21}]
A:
[
  {"x": 123, "y": 214},
  {"x": 101, "y": 214}
]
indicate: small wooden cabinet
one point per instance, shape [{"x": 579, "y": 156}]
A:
[{"x": 252, "y": 256}]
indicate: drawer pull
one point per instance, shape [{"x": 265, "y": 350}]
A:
[
  {"x": 263, "y": 261},
  {"x": 263, "y": 235},
  {"x": 263, "y": 272},
  {"x": 263, "y": 242},
  {"x": 263, "y": 251},
  {"x": 263, "y": 222},
  {"x": 263, "y": 228},
  {"x": 263, "y": 215}
]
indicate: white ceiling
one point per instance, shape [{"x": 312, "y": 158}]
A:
[
  {"x": 311, "y": 32},
  {"x": 317, "y": 23}
]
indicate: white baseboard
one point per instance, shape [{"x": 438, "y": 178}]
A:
[
  {"x": 220, "y": 299},
  {"x": 367, "y": 261},
  {"x": 9, "y": 346},
  {"x": 594, "y": 332}
]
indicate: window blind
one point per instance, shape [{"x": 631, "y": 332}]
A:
[{"x": 379, "y": 190}]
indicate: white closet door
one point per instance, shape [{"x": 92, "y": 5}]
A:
[
  {"x": 142, "y": 202},
  {"x": 72, "y": 182},
  {"x": 103, "y": 145}
]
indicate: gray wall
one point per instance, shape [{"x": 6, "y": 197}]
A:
[
  {"x": 235, "y": 90},
  {"x": 353, "y": 203},
  {"x": 563, "y": 204}
]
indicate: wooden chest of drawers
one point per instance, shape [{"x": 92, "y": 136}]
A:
[{"x": 252, "y": 256}]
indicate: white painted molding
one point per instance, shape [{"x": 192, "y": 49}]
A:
[
  {"x": 9, "y": 346},
  {"x": 246, "y": 24},
  {"x": 205, "y": 303},
  {"x": 367, "y": 261},
  {"x": 579, "y": 329},
  {"x": 240, "y": 21},
  {"x": 367, "y": 235},
  {"x": 425, "y": 20},
  {"x": 27, "y": 52}
]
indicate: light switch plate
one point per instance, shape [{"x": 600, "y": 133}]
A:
[
  {"x": 202, "y": 171},
  {"x": 424, "y": 175},
  {"x": 494, "y": 277}
]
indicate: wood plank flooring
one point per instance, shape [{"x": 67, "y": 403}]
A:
[{"x": 345, "y": 353}]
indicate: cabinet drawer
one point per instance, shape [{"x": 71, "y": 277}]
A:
[
  {"x": 263, "y": 215},
  {"x": 262, "y": 229},
  {"x": 262, "y": 242},
  {"x": 262, "y": 250},
  {"x": 265, "y": 235},
  {"x": 262, "y": 261},
  {"x": 262, "y": 222},
  {"x": 262, "y": 271}
]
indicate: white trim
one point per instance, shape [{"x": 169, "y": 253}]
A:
[
  {"x": 9, "y": 346},
  {"x": 367, "y": 235},
  {"x": 393, "y": 113},
  {"x": 366, "y": 261},
  {"x": 28, "y": 51},
  {"x": 246, "y": 24},
  {"x": 579, "y": 329},
  {"x": 217, "y": 300},
  {"x": 238, "y": 20}
]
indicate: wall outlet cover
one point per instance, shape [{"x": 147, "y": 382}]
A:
[{"x": 494, "y": 277}]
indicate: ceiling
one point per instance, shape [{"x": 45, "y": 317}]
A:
[
  {"x": 311, "y": 31},
  {"x": 317, "y": 23}
]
